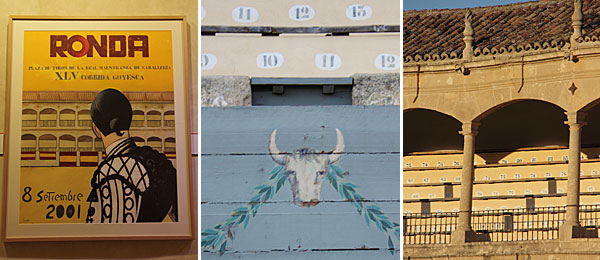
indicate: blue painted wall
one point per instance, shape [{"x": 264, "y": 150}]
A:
[{"x": 235, "y": 159}]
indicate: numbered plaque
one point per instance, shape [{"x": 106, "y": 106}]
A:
[
  {"x": 387, "y": 62},
  {"x": 207, "y": 61},
  {"x": 328, "y": 61},
  {"x": 301, "y": 13},
  {"x": 269, "y": 60},
  {"x": 74, "y": 83},
  {"x": 359, "y": 12},
  {"x": 244, "y": 14}
]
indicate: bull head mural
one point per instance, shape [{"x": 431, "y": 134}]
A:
[{"x": 305, "y": 168}]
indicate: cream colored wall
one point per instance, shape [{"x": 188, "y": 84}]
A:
[
  {"x": 275, "y": 13},
  {"x": 103, "y": 249},
  {"x": 237, "y": 54}
]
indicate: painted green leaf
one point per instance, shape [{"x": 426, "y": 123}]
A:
[
  {"x": 246, "y": 222},
  {"x": 391, "y": 245},
  {"x": 367, "y": 219},
  {"x": 280, "y": 184},
  {"x": 222, "y": 249},
  {"x": 386, "y": 225},
  {"x": 336, "y": 169}
]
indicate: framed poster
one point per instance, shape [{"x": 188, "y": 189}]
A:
[{"x": 97, "y": 142}]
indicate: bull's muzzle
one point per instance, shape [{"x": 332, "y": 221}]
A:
[{"x": 310, "y": 203}]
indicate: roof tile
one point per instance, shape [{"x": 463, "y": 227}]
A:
[{"x": 437, "y": 31}]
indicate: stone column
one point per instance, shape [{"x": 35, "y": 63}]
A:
[
  {"x": 464, "y": 232},
  {"x": 571, "y": 227}
]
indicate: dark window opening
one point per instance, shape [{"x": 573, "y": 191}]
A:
[{"x": 301, "y": 91}]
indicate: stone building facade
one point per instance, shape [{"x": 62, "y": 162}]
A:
[
  {"x": 57, "y": 127},
  {"x": 501, "y": 130}
]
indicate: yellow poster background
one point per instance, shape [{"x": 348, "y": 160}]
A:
[
  {"x": 40, "y": 70},
  {"x": 57, "y": 194}
]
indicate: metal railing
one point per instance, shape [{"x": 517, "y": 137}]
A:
[
  {"x": 494, "y": 225},
  {"x": 69, "y": 123},
  {"x": 153, "y": 123},
  {"x": 519, "y": 224},
  {"x": 84, "y": 123},
  {"x": 429, "y": 228},
  {"x": 170, "y": 123},
  {"x": 46, "y": 123},
  {"x": 29, "y": 123},
  {"x": 137, "y": 123}
]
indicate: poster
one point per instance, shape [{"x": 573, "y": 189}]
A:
[{"x": 98, "y": 141}]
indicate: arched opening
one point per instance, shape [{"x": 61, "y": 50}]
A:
[
  {"x": 67, "y": 118},
  {"x": 522, "y": 124},
  {"x": 137, "y": 119},
  {"x": 590, "y": 135},
  {"x": 85, "y": 144},
  {"x": 28, "y": 147},
  {"x": 139, "y": 141},
  {"x": 48, "y": 117},
  {"x": 154, "y": 118},
  {"x": 155, "y": 143},
  {"x": 430, "y": 131},
  {"x": 169, "y": 144},
  {"x": 67, "y": 143},
  {"x": 170, "y": 118},
  {"x": 170, "y": 147},
  {"x": 47, "y": 146},
  {"x": 98, "y": 145},
  {"x": 29, "y": 118},
  {"x": 84, "y": 119}
]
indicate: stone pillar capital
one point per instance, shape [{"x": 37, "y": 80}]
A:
[
  {"x": 576, "y": 118},
  {"x": 469, "y": 128}
]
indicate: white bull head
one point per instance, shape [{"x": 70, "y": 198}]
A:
[{"x": 306, "y": 168}]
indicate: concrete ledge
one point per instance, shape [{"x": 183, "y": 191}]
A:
[
  {"x": 225, "y": 91},
  {"x": 582, "y": 248},
  {"x": 376, "y": 89}
]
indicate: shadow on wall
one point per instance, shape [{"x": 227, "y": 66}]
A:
[{"x": 429, "y": 131}]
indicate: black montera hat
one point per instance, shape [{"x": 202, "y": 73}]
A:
[{"x": 111, "y": 112}]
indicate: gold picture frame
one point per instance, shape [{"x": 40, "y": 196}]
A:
[{"x": 51, "y": 153}]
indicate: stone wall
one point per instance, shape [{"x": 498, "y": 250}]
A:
[
  {"x": 369, "y": 89},
  {"x": 376, "y": 89},
  {"x": 224, "y": 91}
]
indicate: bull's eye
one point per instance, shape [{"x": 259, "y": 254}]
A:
[
  {"x": 290, "y": 172},
  {"x": 321, "y": 172}
]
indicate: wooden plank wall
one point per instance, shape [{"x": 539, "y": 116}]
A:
[{"x": 235, "y": 159}]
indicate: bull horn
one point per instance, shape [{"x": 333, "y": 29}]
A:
[
  {"x": 274, "y": 151},
  {"x": 336, "y": 154}
]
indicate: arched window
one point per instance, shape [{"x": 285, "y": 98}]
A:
[
  {"x": 170, "y": 118},
  {"x": 155, "y": 143},
  {"x": 170, "y": 144},
  {"x": 28, "y": 143},
  {"x": 48, "y": 117},
  {"x": 67, "y": 143},
  {"x": 137, "y": 119},
  {"x": 47, "y": 147},
  {"x": 29, "y": 118},
  {"x": 67, "y": 118},
  {"x": 154, "y": 118},
  {"x": 85, "y": 144},
  {"x": 98, "y": 145},
  {"x": 84, "y": 118}
]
